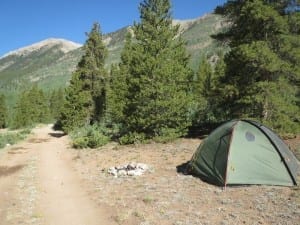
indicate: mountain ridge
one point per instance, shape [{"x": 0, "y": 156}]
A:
[
  {"x": 72, "y": 45},
  {"x": 50, "y": 64},
  {"x": 67, "y": 46}
]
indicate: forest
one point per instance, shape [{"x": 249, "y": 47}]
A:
[{"x": 153, "y": 94}]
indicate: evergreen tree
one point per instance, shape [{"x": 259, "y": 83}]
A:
[
  {"x": 205, "y": 93},
  {"x": 204, "y": 78},
  {"x": 86, "y": 95},
  {"x": 118, "y": 84},
  {"x": 22, "y": 115},
  {"x": 3, "y": 112},
  {"x": 262, "y": 61},
  {"x": 201, "y": 90},
  {"x": 214, "y": 98},
  {"x": 40, "y": 111},
  {"x": 56, "y": 101},
  {"x": 77, "y": 104},
  {"x": 32, "y": 107},
  {"x": 157, "y": 101}
]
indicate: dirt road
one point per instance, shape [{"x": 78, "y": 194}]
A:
[{"x": 39, "y": 186}]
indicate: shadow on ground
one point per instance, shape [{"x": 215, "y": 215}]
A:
[
  {"x": 6, "y": 170},
  {"x": 57, "y": 135},
  {"x": 183, "y": 168}
]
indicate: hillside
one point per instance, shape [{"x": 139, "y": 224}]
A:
[
  {"x": 36, "y": 62},
  {"x": 50, "y": 63}
]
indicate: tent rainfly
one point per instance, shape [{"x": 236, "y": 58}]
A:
[{"x": 244, "y": 152}]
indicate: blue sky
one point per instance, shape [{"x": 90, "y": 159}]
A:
[{"x": 24, "y": 22}]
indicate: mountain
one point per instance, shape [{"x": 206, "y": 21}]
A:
[
  {"x": 49, "y": 63},
  {"x": 35, "y": 62},
  {"x": 64, "y": 45}
]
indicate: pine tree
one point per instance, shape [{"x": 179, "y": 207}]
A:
[
  {"x": 22, "y": 115},
  {"x": 157, "y": 102},
  {"x": 118, "y": 84},
  {"x": 86, "y": 95},
  {"x": 216, "y": 111},
  {"x": 40, "y": 111},
  {"x": 204, "y": 78},
  {"x": 205, "y": 88},
  {"x": 32, "y": 107},
  {"x": 261, "y": 62},
  {"x": 201, "y": 89},
  {"x": 3, "y": 112},
  {"x": 56, "y": 101}
]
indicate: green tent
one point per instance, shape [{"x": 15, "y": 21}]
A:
[{"x": 244, "y": 152}]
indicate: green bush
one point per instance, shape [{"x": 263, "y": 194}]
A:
[
  {"x": 13, "y": 137},
  {"x": 96, "y": 139},
  {"x": 166, "y": 135},
  {"x": 80, "y": 142},
  {"x": 88, "y": 137},
  {"x": 133, "y": 138},
  {"x": 4, "y": 140}
]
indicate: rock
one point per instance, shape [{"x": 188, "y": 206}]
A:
[
  {"x": 137, "y": 172},
  {"x": 132, "y": 166},
  {"x": 121, "y": 167},
  {"x": 131, "y": 169},
  {"x": 122, "y": 173},
  {"x": 145, "y": 223},
  {"x": 142, "y": 166},
  {"x": 113, "y": 171}
]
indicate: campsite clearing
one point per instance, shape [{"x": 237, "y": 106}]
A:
[{"x": 44, "y": 181}]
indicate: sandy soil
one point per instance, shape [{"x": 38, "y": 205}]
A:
[
  {"x": 44, "y": 181},
  {"x": 39, "y": 186}
]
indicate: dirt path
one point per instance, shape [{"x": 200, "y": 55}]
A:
[{"x": 39, "y": 185}]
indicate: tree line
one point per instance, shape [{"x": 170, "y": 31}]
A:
[
  {"x": 33, "y": 106},
  {"x": 152, "y": 94}
]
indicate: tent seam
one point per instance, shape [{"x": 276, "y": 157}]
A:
[{"x": 228, "y": 152}]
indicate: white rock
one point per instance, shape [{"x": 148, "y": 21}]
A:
[
  {"x": 142, "y": 166},
  {"x": 122, "y": 173},
  {"x": 113, "y": 171},
  {"x": 132, "y": 166},
  {"x": 121, "y": 167},
  {"x": 137, "y": 172},
  {"x": 131, "y": 169}
]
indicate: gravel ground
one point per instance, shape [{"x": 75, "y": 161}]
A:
[{"x": 165, "y": 197}]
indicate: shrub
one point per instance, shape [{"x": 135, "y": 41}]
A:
[
  {"x": 80, "y": 142},
  {"x": 88, "y": 137},
  {"x": 13, "y": 137},
  {"x": 133, "y": 138},
  {"x": 166, "y": 135}
]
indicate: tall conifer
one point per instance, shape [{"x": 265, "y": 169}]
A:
[
  {"x": 3, "y": 112},
  {"x": 56, "y": 103},
  {"x": 86, "y": 95},
  {"x": 118, "y": 84},
  {"x": 201, "y": 89},
  {"x": 32, "y": 107},
  {"x": 261, "y": 73},
  {"x": 157, "y": 101}
]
